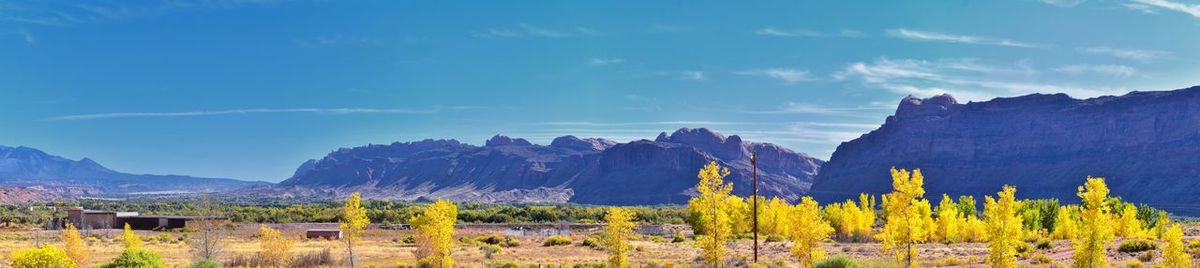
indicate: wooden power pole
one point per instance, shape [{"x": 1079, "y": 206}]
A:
[{"x": 754, "y": 162}]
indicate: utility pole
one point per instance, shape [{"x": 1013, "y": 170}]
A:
[{"x": 754, "y": 162}]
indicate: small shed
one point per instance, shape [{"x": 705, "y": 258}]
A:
[{"x": 323, "y": 233}]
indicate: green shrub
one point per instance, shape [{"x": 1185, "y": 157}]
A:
[
  {"x": 204, "y": 263},
  {"x": 489, "y": 250},
  {"x": 776, "y": 238},
  {"x": 557, "y": 240},
  {"x": 46, "y": 256},
  {"x": 592, "y": 242},
  {"x": 836, "y": 261},
  {"x": 1147, "y": 256},
  {"x": 948, "y": 261},
  {"x": 1043, "y": 243},
  {"x": 678, "y": 239},
  {"x": 136, "y": 258},
  {"x": 1135, "y": 245},
  {"x": 1133, "y": 263},
  {"x": 1041, "y": 258}
]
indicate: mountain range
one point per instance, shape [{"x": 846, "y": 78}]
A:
[
  {"x": 28, "y": 167},
  {"x": 569, "y": 169}
]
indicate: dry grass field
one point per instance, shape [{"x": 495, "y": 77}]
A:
[{"x": 386, "y": 248}]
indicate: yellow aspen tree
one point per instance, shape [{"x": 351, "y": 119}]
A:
[
  {"x": 947, "y": 221},
  {"x": 1129, "y": 225},
  {"x": 739, "y": 214},
  {"x": 1161, "y": 224},
  {"x": 840, "y": 218},
  {"x": 1174, "y": 253},
  {"x": 905, "y": 209},
  {"x": 1094, "y": 229},
  {"x": 74, "y": 246},
  {"x": 778, "y": 212},
  {"x": 131, "y": 239},
  {"x": 809, "y": 231},
  {"x": 274, "y": 248},
  {"x": 353, "y": 224},
  {"x": 435, "y": 233},
  {"x": 713, "y": 208},
  {"x": 1005, "y": 227},
  {"x": 1066, "y": 225},
  {"x": 619, "y": 227},
  {"x": 865, "y": 218}
]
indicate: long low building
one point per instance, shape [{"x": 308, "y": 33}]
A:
[{"x": 99, "y": 219}]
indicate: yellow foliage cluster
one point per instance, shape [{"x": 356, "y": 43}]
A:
[
  {"x": 908, "y": 216},
  {"x": 714, "y": 208},
  {"x": 1128, "y": 224},
  {"x": 275, "y": 249},
  {"x": 354, "y": 222},
  {"x": 852, "y": 220},
  {"x": 435, "y": 233},
  {"x": 73, "y": 245},
  {"x": 810, "y": 230},
  {"x": 774, "y": 217},
  {"x": 46, "y": 256},
  {"x": 1174, "y": 253},
  {"x": 131, "y": 239},
  {"x": 949, "y": 224},
  {"x": 1066, "y": 223},
  {"x": 1094, "y": 230},
  {"x": 1004, "y": 226},
  {"x": 618, "y": 229}
]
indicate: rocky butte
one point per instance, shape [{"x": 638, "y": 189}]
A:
[{"x": 1146, "y": 144}]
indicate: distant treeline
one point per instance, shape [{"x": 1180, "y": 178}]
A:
[{"x": 379, "y": 211}]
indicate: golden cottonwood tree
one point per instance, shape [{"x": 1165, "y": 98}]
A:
[
  {"x": 435, "y": 233},
  {"x": 1004, "y": 226},
  {"x": 1066, "y": 224},
  {"x": 617, "y": 230},
  {"x": 907, "y": 214},
  {"x": 948, "y": 221},
  {"x": 775, "y": 217},
  {"x": 274, "y": 248},
  {"x": 1174, "y": 253},
  {"x": 1129, "y": 225},
  {"x": 714, "y": 209},
  {"x": 131, "y": 239},
  {"x": 1094, "y": 230},
  {"x": 354, "y": 222},
  {"x": 74, "y": 246},
  {"x": 809, "y": 230}
]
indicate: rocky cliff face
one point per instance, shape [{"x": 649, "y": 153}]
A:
[
  {"x": 29, "y": 167},
  {"x": 570, "y": 169},
  {"x": 1147, "y": 145}
]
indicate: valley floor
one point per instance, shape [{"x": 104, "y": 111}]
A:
[{"x": 387, "y": 248}]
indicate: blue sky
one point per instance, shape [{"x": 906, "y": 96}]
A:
[{"x": 250, "y": 89}]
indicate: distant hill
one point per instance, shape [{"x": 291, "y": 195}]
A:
[
  {"x": 1147, "y": 145},
  {"x": 29, "y": 167},
  {"x": 570, "y": 169}
]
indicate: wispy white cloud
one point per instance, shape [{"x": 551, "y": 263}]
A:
[
  {"x": 331, "y": 111},
  {"x": 25, "y": 35},
  {"x": 1105, "y": 69},
  {"x": 1140, "y": 8},
  {"x": 955, "y": 38},
  {"x": 1128, "y": 54},
  {"x": 605, "y": 61},
  {"x": 1064, "y": 3},
  {"x": 1193, "y": 9},
  {"x": 529, "y": 30},
  {"x": 981, "y": 82},
  {"x": 647, "y": 123},
  {"x": 772, "y": 31},
  {"x": 780, "y": 32},
  {"x": 787, "y": 75},
  {"x": 817, "y": 109},
  {"x": 693, "y": 75}
]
